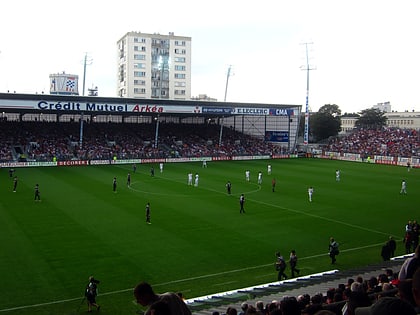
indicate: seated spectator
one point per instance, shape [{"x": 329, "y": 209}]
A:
[{"x": 387, "y": 306}]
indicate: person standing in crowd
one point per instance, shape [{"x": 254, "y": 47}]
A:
[
  {"x": 392, "y": 246},
  {"x": 333, "y": 250},
  {"x": 190, "y": 179},
  {"x": 37, "y": 193},
  {"x": 145, "y": 296},
  {"x": 273, "y": 184},
  {"x": 161, "y": 167},
  {"x": 310, "y": 193},
  {"x": 229, "y": 187},
  {"x": 241, "y": 203},
  {"x": 196, "y": 180},
  {"x": 386, "y": 252},
  {"x": 280, "y": 266},
  {"x": 403, "y": 187},
  {"x": 293, "y": 263},
  {"x": 128, "y": 180},
  {"x": 15, "y": 182},
  {"x": 114, "y": 185},
  {"x": 148, "y": 213}
]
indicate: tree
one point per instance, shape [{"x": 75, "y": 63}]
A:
[
  {"x": 371, "y": 118},
  {"x": 326, "y": 122}
]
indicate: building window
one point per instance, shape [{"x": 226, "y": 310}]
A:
[
  {"x": 139, "y": 73},
  {"x": 136, "y": 48},
  {"x": 143, "y": 48},
  {"x": 180, "y": 43},
  {"x": 179, "y": 59},
  {"x": 180, "y": 84},
  {"x": 139, "y": 66},
  {"x": 139, "y": 57},
  {"x": 179, "y": 68},
  {"x": 179, "y": 75},
  {"x": 139, "y": 82},
  {"x": 139, "y": 91},
  {"x": 180, "y": 51},
  {"x": 179, "y": 92}
]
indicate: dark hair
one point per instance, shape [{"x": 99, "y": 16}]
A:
[{"x": 143, "y": 288}]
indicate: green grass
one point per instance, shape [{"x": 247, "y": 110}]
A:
[{"x": 198, "y": 243}]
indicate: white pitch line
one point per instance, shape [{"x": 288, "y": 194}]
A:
[{"x": 178, "y": 281}]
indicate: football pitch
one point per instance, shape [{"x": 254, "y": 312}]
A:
[{"x": 197, "y": 243}]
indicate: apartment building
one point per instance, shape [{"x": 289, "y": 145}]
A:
[{"x": 154, "y": 66}]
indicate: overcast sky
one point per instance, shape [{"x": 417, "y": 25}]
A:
[{"x": 362, "y": 52}]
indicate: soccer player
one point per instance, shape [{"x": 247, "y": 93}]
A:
[
  {"x": 15, "y": 181},
  {"x": 148, "y": 213},
  {"x": 247, "y": 175},
  {"x": 114, "y": 185},
  {"x": 310, "y": 193},
  {"x": 259, "y": 178},
  {"x": 37, "y": 193},
  {"x": 269, "y": 169},
  {"x": 190, "y": 179},
  {"x": 241, "y": 203},
  {"x": 134, "y": 168},
  {"x": 204, "y": 163},
  {"x": 229, "y": 187},
  {"x": 337, "y": 175},
  {"x": 152, "y": 171},
  {"x": 273, "y": 184},
  {"x": 196, "y": 180},
  {"x": 161, "y": 167},
  {"x": 403, "y": 187},
  {"x": 128, "y": 180}
]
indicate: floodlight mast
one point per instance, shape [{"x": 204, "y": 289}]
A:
[
  {"x": 221, "y": 119},
  {"x": 307, "y": 68},
  {"x": 85, "y": 63}
]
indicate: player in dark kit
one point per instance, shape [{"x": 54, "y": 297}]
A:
[
  {"x": 241, "y": 203},
  {"x": 114, "y": 184},
  {"x": 152, "y": 171},
  {"x": 148, "y": 213},
  {"x": 15, "y": 181},
  {"x": 229, "y": 187},
  {"x": 128, "y": 179},
  {"x": 37, "y": 193}
]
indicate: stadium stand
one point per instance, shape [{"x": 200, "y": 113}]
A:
[
  {"x": 386, "y": 142},
  {"x": 314, "y": 288},
  {"x": 42, "y": 141}
]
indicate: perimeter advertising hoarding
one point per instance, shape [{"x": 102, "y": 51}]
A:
[{"x": 121, "y": 107}]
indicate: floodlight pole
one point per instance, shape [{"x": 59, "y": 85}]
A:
[
  {"x": 221, "y": 120},
  {"x": 307, "y": 68},
  {"x": 85, "y": 63}
]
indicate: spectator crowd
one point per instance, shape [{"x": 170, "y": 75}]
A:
[{"x": 386, "y": 142}]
